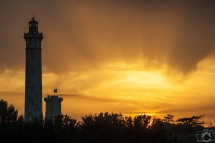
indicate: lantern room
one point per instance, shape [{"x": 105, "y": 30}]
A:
[{"x": 33, "y": 26}]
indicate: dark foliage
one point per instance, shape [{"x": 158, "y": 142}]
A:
[{"x": 98, "y": 128}]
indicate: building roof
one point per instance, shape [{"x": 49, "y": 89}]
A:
[{"x": 33, "y": 21}]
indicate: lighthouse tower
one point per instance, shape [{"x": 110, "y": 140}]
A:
[{"x": 33, "y": 72}]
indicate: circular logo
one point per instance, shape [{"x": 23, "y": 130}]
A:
[{"x": 206, "y": 137}]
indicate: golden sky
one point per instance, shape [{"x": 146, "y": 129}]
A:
[{"x": 129, "y": 57}]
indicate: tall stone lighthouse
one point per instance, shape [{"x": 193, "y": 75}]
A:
[{"x": 33, "y": 72}]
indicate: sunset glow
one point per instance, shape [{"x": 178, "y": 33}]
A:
[{"x": 122, "y": 57}]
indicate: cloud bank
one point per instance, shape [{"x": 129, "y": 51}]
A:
[{"x": 86, "y": 35}]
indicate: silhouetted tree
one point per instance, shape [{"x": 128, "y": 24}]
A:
[
  {"x": 97, "y": 128},
  {"x": 169, "y": 119},
  {"x": 103, "y": 127},
  {"x": 8, "y": 119},
  {"x": 193, "y": 121},
  {"x": 8, "y": 114},
  {"x": 190, "y": 124}
]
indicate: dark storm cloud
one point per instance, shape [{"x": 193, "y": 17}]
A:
[
  {"x": 195, "y": 39},
  {"x": 84, "y": 35}
]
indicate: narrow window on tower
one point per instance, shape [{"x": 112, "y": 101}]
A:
[{"x": 32, "y": 87}]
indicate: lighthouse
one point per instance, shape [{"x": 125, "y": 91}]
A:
[{"x": 33, "y": 72}]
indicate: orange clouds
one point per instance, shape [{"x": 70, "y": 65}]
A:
[
  {"x": 87, "y": 35},
  {"x": 120, "y": 56}
]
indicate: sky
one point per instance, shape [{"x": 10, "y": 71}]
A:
[{"x": 120, "y": 56}]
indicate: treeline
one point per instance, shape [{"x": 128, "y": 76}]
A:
[{"x": 98, "y": 128}]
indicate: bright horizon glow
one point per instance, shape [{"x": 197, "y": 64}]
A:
[
  {"x": 130, "y": 92},
  {"x": 124, "y": 57}
]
